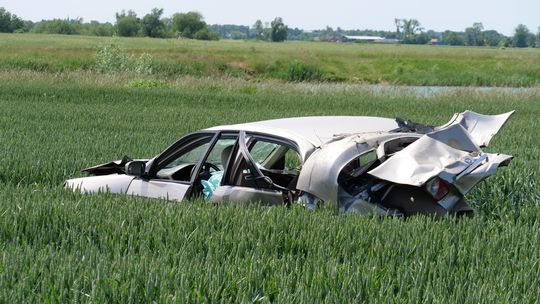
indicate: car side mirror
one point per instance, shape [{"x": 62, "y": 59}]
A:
[{"x": 135, "y": 168}]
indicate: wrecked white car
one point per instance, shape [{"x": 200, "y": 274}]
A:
[{"x": 360, "y": 164}]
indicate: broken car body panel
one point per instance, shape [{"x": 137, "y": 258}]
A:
[
  {"x": 481, "y": 128},
  {"x": 446, "y": 153}
]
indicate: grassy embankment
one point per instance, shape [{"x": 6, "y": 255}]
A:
[
  {"x": 59, "y": 246},
  {"x": 359, "y": 63}
]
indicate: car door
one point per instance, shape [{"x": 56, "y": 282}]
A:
[
  {"x": 172, "y": 173},
  {"x": 264, "y": 170}
]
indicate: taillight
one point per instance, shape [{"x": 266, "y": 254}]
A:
[{"x": 437, "y": 188}]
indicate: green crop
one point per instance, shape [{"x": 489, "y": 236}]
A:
[{"x": 60, "y": 246}]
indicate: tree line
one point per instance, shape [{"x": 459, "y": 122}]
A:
[{"x": 191, "y": 25}]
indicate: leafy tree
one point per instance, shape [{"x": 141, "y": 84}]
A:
[
  {"x": 328, "y": 34},
  {"x": 279, "y": 30},
  {"x": 9, "y": 22},
  {"x": 127, "y": 24},
  {"x": 507, "y": 42},
  {"x": 407, "y": 29},
  {"x": 411, "y": 28},
  {"x": 258, "y": 30},
  {"x": 267, "y": 31},
  {"x": 152, "y": 25},
  {"x": 474, "y": 34},
  {"x": 295, "y": 34},
  {"x": 390, "y": 35},
  {"x": 538, "y": 38},
  {"x": 492, "y": 37},
  {"x": 329, "y": 30},
  {"x": 231, "y": 31},
  {"x": 95, "y": 28},
  {"x": 206, "y": 34},
  {"x": 237, "y": 35},
  {"x": 531, "y": 40},
  {"x": 191, "y": 25},
  {"x": 57, "y": 26},
  {"x": 454, "y": 38},
  {"x": 421, "y": 38},
  {"x": 397, "y": 22},
  {"x": 5, "y": 21},
  {"x": 521, "y": 36},
  {"x": 187, "y": 24},
  {"x": 168, "y": 27},
  {"x": 27, "y": 26},
  {"x": 433, "y": 34}
]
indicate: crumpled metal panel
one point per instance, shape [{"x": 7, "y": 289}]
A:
[
  {"x": 465, "y": 183},
  {"x": 447, "y": 153},
  {"x": 481, "y": 128},
  {"x": 447, "y": 149}
]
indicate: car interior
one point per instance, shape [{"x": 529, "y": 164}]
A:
[
  {"x": 278, "y": 162},
  {"x": 354, "y": 179}
]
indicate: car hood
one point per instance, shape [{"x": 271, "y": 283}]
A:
[{"x": 108, "y": 177}]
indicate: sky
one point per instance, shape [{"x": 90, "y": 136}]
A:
[{"x": 456, "y": 15}]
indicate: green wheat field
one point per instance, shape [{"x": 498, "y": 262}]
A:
[{"x": 59, "y": 114}]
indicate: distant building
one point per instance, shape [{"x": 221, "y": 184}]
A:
[
  {"x": 372, "y": 39},
  {"x": 435, "y": 41},
  {"x": 347, "y": 38},
  {"x": 389, "y": 40}
]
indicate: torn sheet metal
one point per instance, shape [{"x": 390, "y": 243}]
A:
[
  {"x": 116, "y": 166},
  {"x": 427, "y": 157},
  {"x": 449, "y": 153},
  {"x": 465, "y": 182},
  {"x": 481, "y": 128}
]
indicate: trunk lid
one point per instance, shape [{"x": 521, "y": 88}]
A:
[{"x": 451, "y": 152}]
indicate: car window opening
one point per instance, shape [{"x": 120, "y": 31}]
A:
[
  {"x": 180, "y": 167},
  {"x": 279, "y": 163},
  {"x": 213, "y": 167}
]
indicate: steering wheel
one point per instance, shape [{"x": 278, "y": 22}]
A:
[{"x": 205, "y": 170}]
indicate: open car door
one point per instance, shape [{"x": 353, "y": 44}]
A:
[{"x": 247, "y": 182}]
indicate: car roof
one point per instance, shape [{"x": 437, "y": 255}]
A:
[{"x": 310, "y": 132}]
